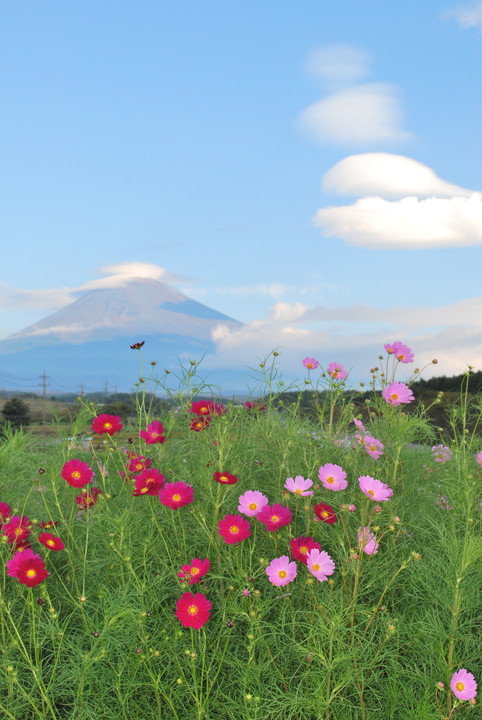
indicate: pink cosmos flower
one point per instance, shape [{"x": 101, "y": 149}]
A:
[
  {"x": 193, "y": 610},
  {"x": 441, "y": 453},
  {"x": 373, "y": 446},
  {"x": 325, "y": 513},
  {"x": 367, "y": 541},
  {"x": 106, "y": 424},
  {"x": 374, "y": 489},
  {"x": 299, "y": 485},
  {"x": 27, "y": 567},
  {"x": 463, "y": 685},
  {"x": 300, "y": 547},
  {"x": 401, "y": 352},
  {"x": 51, "y": 541},
  {"x": 154, "y": 433},
  {"x": 320, "y": 564},
  {"x": 310, "y": 363},
  {"x": 194, "y": 572},
  {"x": 77, "y": 473},
  {"x": 478, "y": 458},
  {"x": 176, "y": 495},
  {"x": 336, "y": 371},
  {"x": 234, "y": 528},
  {"x": 397, "y": 394},
  {"x": 332, "y": 477},
  {"x": 251, "y": 502},
  {"x": 274, "y": 517},
  {"x": 281, "y": 571},
  {"x": 359, "y": 424}
]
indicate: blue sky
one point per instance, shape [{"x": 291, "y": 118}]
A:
[{"x": 312, "y": 169}]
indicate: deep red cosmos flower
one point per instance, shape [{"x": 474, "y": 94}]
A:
[
  {"x": 48, "y": 524},
  {"x": 260, "y": 407},
  {"x": 77, "y": 473},
  {"x": 5, "y": 511},
  {"x": 225, "y": 478},
  {"x": 148, "y": 482},
  {"x": 51, "y": 541},
  {"x": 325, "y": 513},
  {"x": 27, "y": 567},
  {"x": 138, "y": 463},
  {"x": 200, "y": 423},
  {"x": 194, "y": 572},
  {"x": 302, "y": 546},
  {"x": 274, "y": 517},
  {"x": 88, "y": 499},
  {"x": 207, "y": 407},
  {"x": 154, "y": 433},
  {"x": 17, "y": 530},
  {"x": 106, "y": 424},
  {"x": 193, "y": 610},
  {"x": 137, "y": 345},
  {"x": 234, "y": 528},
  {"x": 176, "y": 495}
]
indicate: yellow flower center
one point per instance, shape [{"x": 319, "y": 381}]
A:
[
  {"x": 18, "y": 531},
  {"x": 309, "y": 365},
  {"x": 154, "y": 434},
  {"x": 303, "y": 549},
  {"x": 76, "y": 474},
  {"x": 107, "y": 425},
  {"x": 223, "y": 478},
  {"x": 394, "y": 396},
  {"x": 274, "y": 518},
  {"x": 298, "y": 491},
  {"x": 252, "y": 506},
  {"x": 330, "y": 480},
  {"x": 144, "y": 490},
  {"x": 194, "y": 571},
  {"x": 176, "y": 497},
  {"x": 372, "y": 448},
  {"x": 51, "y": 543},
  {"x": 233, "y": 529},
  {"x": 325, "y": 513},
  {"x": 372, "y": 493},
  {"x": 139, "y": 466},
  {"x": 204, "y": 409},
  {"x": 316, "y": 567},
  {"x": 460, "y": 686},
  {"x": 282, "y": 573},
  {"x": 192, "y": 610},
  {"x": 31, "y": 573}
]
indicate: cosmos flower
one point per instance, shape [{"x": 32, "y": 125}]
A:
[
  {"x": 274, "y": 517},
  {"x": 51, "y": 541},
  {"x": 402, "y": 352},
  {"x": 193, "y": 610},
  {"x": 27, "y": 567},
  {"x": 200, "y": 423},
  {"x": 320, "y": 564},
  {"x": 310, "y": 363},
  {"x": 195, "y": 571},
  {"x": 5, "y": 511},
  {"x": 463, "y": 685},
  {"x": 176, "y": 495},
  {"x": 299, "y": 486},
  {"x": 478, "y": 458},
  {"x": 106, "y": 424},
  {"x": 17, "y": 530},
  {"x": 373, "y": 446},
  {"x": 137, "y": 345},
  {"x": 77, "y": 473},
  {"x": 233, "y": 529},
  {"x": 260, "y": 407},
  {"x": 138, "y": 463},
  {"x": 154, "y": 433},
  {"x": 325, "y": 513},
  {"x": 148, "y": 482},
  {"x": 88, "y": 499},
  {"x": 359, "y": 424},
  {"x": 281, "y": 571},
  {"x": 225, "y": 478},
  {"x": 441, "y": 453},
  {"x": 207, "y": 407},
  {"x": 336, "y": 371},
  {"x": 374, "y": 489},
  {"x": 397, "y": 394},
  {"x": 301, "y": 546},
  {"x": 367, "y": 541},
  {"x": 252, "y": 502},
  {"x": 332, "y": 477}
]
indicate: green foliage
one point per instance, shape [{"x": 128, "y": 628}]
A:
[{"x": 16, "y": 413}]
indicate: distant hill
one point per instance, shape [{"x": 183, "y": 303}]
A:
[{"x": 88, "y": 341}]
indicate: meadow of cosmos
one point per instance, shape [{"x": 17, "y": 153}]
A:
[{"x": 240, "y": 561}]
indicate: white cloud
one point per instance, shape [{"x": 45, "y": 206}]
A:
[
  {"x": 118, "y": 275},
  {"x": 468, "y": 16},
  {"x": 339, "y": 63},
  {"x": 359, "y": 115},
  {"x": 19, "y": 299},
  {"x": 387, "y": 175}
]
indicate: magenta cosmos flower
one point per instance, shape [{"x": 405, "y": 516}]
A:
[
  {"x": 233, "y": 529},
  {"x": 320, "y": 564},
  {"x": 106, "y": 424},
  {"x": 310, "y": 363},
  {"x": 51, "y": 541},
  {"x": 176, "y": 495},
  {"x": 397, "y": 394},
  {"x": 463, "y": 685},
  {"x": 441, "y": 453},
  {"x": 5, "y": 511},
  {"x": 77, "y": 473},
  {"x": 332, "y": 477},
  {"x": 367, "y": 541},
  {"x": 154, "y": 433},
  {"x": 148, "y": 482},
  {"x": 193, "y": 610},
  {"x": 373, "y": 446},
  {"x": 225, "y": 478},
  {"x": 27, "y": 567},
  {"x": 194, "y": 572},
  {"x": 281, "y": 571},
  {"x": 299, "y": 486},
  {"x": 89, "y": 498},
  {"x": 274, "y": 517},
  {"x": 325, "y": 513},
  {"x": 300, "y": 547},
  {"x": 17, "y": 530},
  {"x": 374, "y": 489},
  {"x": 336, "y": 371},
  {"x": 251, "y": 502}
]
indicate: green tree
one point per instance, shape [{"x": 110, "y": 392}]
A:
[{"x": 16, "y": 412}]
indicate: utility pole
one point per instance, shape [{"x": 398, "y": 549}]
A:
[
  {"x": 116, "y": 394},
  {"x": 44, "y": 377},
  {"x": 81, "y": 389},
  {"x": 105, "y": 393}
]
